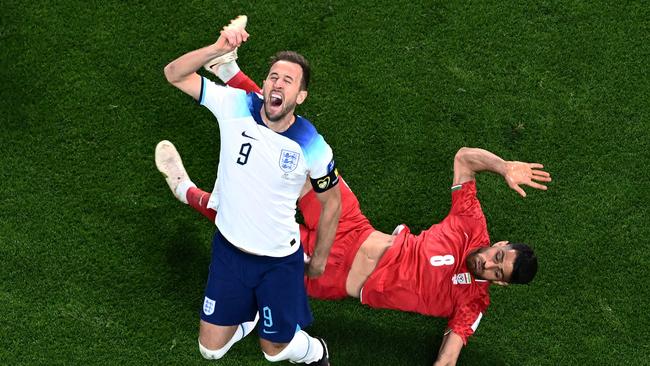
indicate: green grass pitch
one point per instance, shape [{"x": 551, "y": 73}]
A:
[{"x": 100, "y": 265}]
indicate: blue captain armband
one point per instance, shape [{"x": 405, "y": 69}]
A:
[{"x": 323, "y": 184}]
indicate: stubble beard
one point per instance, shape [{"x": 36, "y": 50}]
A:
[{"x": 470, "y": 262}]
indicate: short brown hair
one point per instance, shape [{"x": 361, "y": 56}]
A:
[{"x": 296, "y": 58}]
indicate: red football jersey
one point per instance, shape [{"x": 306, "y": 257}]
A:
[{"x": 426, "y": 273}]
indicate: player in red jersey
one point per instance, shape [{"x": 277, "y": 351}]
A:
[{"x": 444, "y": 271}]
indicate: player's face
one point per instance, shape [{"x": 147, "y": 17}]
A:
[
  {"x": 282, "y": 90},
  {"x": 493, "y": 264}
]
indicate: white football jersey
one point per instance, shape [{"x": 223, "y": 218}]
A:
[{"x": 261, "y": 172}]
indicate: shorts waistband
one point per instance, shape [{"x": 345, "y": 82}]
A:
[{"x": 222, "y": 238}]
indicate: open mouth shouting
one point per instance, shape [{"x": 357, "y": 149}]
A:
[
  {"x": 273, "y": 106},
  {"x": 276, "y": 99}
]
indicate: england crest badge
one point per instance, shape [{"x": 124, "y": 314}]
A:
[
  {"x": 289, "y": 160},
  {"x": 208, "y": 306}
]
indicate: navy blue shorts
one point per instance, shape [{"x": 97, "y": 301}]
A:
[{"x": 241, "y": 284}]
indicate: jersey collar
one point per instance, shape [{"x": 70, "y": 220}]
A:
[{"x": 255, "y": 104}]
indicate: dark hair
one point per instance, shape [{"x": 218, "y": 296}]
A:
[
  {"x": 295, "y": 58},
  {"x": 525, "y": 266}
]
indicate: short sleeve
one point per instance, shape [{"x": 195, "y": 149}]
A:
[
  {"x": 320, "y": 158},
  {"x": 464, "y": 200},
  {"x": 224, "y": 102},
  {"x": 467, "y": 317},
  {"x": 467, "y": 214}
]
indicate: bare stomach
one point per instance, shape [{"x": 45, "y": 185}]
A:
[{"x": 365, "y": 261}]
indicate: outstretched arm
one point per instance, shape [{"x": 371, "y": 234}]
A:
[
  {"x": 469, "y": 161},
  {"x": 450, "y": 349},
  {"x": 182, "y": 72}
]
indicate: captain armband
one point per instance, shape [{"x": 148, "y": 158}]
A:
[{"x": 323, "y": 184}]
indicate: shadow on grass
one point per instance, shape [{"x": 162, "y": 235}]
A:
[
  {"x": 357, "y": 334},
  {"x": 188, "y": 258}
]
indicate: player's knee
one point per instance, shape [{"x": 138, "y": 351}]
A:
[{"x": 212, "y": 354}]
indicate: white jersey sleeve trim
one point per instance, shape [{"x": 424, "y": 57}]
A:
[
  {"x": 478, "y": 320},
  {"x": 224, "y": 102}
]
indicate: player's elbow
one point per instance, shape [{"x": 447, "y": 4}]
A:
[
  {"x": 462, "y": 154},
  {"x": 170, "y": 73},
  {"x": 468, "y": 155}
]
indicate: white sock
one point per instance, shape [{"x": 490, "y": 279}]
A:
[
  {"x": 227, "y": 71},
  {"x": 242, "y": 331},
  {"x": 249, "y": 326},
  {"x": 301, "y": 349},
  {"x": 182, "y": 188}
]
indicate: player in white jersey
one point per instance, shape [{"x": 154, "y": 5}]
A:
[{"x": 266, "y": 154}]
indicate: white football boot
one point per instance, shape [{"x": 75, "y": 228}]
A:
[
  {"x": 213, "y": 65},
  {"x": 169, "y": 163}
]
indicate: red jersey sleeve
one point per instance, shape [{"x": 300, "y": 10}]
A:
[
  {"x": 464, "y": 200},
  {"x": 467, "y": 316},
  {"x": 467, "y": 213}
]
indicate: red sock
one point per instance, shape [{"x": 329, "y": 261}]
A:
[
  {"x": 242, "y": 81},
  {"x": 199, "y": 200}
]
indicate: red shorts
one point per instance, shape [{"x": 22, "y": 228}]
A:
[{"x": 353, "y": 229}]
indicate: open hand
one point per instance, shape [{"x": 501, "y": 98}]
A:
[{"x": 518, "y": 173}]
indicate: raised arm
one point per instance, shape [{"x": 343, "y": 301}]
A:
[
  {"x": 469, "y": 161},
  {"x": 330, "y": 201},
  {"x": 182, "y": 72}
]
